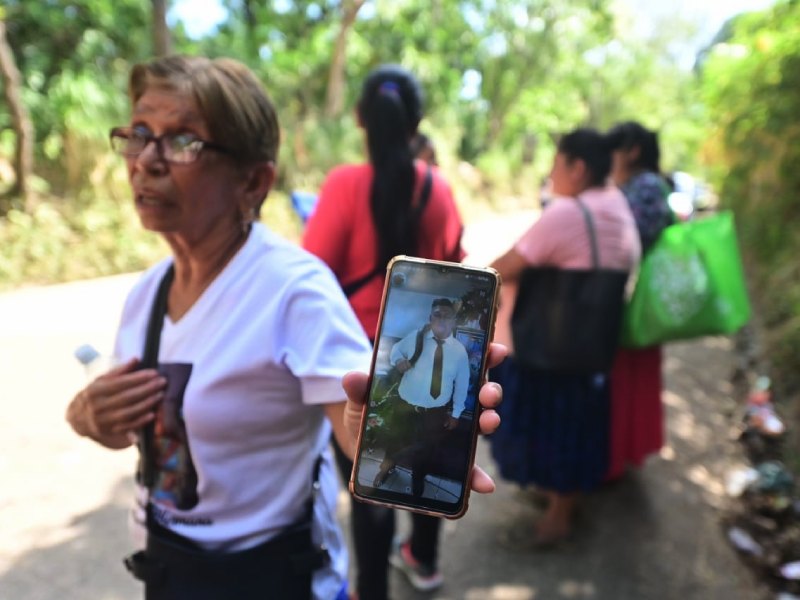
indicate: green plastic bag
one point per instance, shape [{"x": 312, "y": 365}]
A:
[{"x": 690, "y": 284}]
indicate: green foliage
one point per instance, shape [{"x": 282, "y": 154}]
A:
[
  {"x": 501, "y": 81},
  {"x": 752, "y": 89},
  {"x": 58, "y": 243},
  {"x": 74, "y": 57},
  {"x": 53, "y": 244}
]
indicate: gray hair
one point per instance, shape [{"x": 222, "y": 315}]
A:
[{"x": 233, "y": 103}]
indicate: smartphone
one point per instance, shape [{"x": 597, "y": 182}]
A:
[{"x": 416, "y": 444}]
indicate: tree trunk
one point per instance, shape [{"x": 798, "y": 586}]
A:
[
  {"x": 250, "y": 22},
  {"x": 334, "y": 100},
  {"x": 23, "y": 155},
  {"x": 161, "y": 37}
]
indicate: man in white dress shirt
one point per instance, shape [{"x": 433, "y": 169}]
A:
[{"x": 432, "y": 391}]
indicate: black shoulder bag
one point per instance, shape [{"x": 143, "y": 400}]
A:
[
  {"x": 569, "y": 320},
  {"x": 146, "y": 473}
]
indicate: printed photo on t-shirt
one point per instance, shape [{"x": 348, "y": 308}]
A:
[{"x": 176, "y": 478}]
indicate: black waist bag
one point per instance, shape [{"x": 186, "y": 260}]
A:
[
  {"x": 174, "y": 569},
  {"x": 569, "y": 320}
]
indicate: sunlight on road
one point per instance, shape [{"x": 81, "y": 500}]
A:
[
  {"x": 490, "y": 237},
  {"x": 700, "y": 475},
  {"x": 502, "y": 592}
]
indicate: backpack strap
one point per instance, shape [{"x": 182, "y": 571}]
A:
[
  {"x": 425, "y": 193},
  {"x": 353, "y": 287},
  {"x": 418, "y": 348}
]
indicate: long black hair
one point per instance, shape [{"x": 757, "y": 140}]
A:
[
  {"x": 390, "y": 109},
  {"x": 593, "y": 148},
  {"x": 630, "y": 134}
]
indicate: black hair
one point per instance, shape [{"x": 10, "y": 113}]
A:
[
  {"x": 443, "y": 302},
  {"x": 630, "y": 134},
  {"x": 419, "y": 142},
  {"x": 592, "y": 148},
  {"x": 390, "y": 109}
]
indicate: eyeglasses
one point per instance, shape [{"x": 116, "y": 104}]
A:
[{"x": 176, "y": 148}]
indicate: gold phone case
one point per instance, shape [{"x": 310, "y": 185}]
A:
[{"x": 455, "y": 272}]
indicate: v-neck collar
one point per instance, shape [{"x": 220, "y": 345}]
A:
[{"x": 198, "y": 311}]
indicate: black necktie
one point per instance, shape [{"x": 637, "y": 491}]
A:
[{"x": 436, "y": 374}]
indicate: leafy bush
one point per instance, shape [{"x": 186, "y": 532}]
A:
[
  {"x": 752, "y": 87},
  {"x": 87, "y": 236},
  {"x": 56, "y": 243}
]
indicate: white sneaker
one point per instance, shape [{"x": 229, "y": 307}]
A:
[{"x": 422, "y": 577}]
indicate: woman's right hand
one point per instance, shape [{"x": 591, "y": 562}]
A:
[{"x": 117, "y": 404}]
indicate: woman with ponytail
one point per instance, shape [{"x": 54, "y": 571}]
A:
[{"x": 367, "y": 213}]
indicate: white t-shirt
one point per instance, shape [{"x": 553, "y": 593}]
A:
[{"x": 249, "y": 368}]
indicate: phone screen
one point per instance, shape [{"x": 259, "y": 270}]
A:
[{"x": 418, "y": 434}]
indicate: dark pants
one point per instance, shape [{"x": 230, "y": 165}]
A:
[
  {"x": 423, "y": 431},
  {"x": 373, "y": 528}
]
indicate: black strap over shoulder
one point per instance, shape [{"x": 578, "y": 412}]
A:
[
  {"x": 587, "y": 216},
  {"x": 152, "y": 341},
  {"x": 425, "y": 193},
  {"x": 352, "y": 288},
  {"x": 418, "y": 347}
]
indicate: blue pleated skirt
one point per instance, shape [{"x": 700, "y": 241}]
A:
[{"x": 555, "y": 428}]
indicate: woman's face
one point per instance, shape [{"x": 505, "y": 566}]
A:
[
  {"x": 568, "y": 176},
  {"x": 194, "y": 202}
]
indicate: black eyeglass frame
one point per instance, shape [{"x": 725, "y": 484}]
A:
[{"x": 125, "y": 133}]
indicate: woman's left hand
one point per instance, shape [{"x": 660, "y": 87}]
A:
[{"x": 489, "y": 397}]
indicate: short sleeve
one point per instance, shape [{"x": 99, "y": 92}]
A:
[
  {"x": 321, "y": 337},
  {"x": 538, "y": 245}
]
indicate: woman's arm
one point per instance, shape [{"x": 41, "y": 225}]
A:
[
  {"x": 347, "y": 442},
  {"x": 510, "y": 265}
]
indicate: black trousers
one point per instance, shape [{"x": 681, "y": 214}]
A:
[
  {"x": 423, "y": 432},
  {"x": 372, "y": 528}
]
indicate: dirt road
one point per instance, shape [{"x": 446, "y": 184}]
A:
[{"x": 63, "y": 500}]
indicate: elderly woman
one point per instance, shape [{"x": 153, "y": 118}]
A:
[
  {"x": 554, "y": 432},
  {"x": 231, "y": 353}
]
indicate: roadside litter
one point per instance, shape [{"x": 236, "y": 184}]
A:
[{"x": 764, "y": 525}]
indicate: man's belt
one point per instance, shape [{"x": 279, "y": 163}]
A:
[{"x": 423, "y": 409}]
